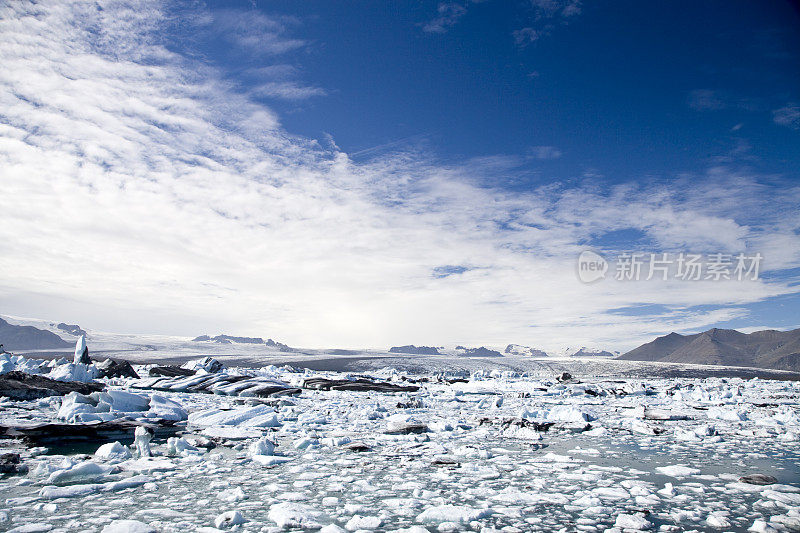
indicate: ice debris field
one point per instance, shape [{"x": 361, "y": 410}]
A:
[{"x": 201, "y": 447}]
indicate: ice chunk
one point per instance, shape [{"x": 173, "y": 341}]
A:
[
  {"x": 295, "y": 515},
  {"x": 208, "y": 364},
  {"x": 124, "y": 401},
  {"x": 180, "y": 446},
  {"x": 128, "y": 526},
  {"x": 113, "y": 451},
  {"x": 142, "y": 441},
  {"x": 632, "y": 521},
  {"x": 720, "y": 413},
  {"x": 81, "y": 472},
  {"x": 166, "y": 409},
  {"x": 232, "y": 495},
  {"x": 459, "y": 514},
  {"x": 677, "y": 470},
  {"x": 262, "y": 446},
  {"x": 74, "y": 372},
  {"x": 258, "y": 416},
  {"x": 81, "y": 352},
  {"x": 332, "y": 528},
  {"x": 229, "y": 519},
  {"x": 368, "y": 523},
  {"x": 270, "y": 460},
  {"x": 72, "y": 491}
]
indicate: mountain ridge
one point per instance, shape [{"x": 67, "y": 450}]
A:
[{"x": 774, "y": 349}]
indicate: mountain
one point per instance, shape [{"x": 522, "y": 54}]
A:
[
  {"x": 415, "y": 350},
  {"x": 72, "y": 329},
  {"x": 477, "y": 352},
  {"x": 774, "y": 349},
  {"x": 280, "y": 346},
  {"x": 29, "y": 338},
  {"x": 527, "y": 351},
  {"x": 227, "y": 339},
  {"x": 592, "y": 352}
]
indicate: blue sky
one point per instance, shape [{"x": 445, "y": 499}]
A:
[
  {"x": 630, "y": 90},
  {"x": 370, "y": 174}
]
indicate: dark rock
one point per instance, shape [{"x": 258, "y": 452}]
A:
[
  {"x": 356, "y": 385},
  {"x": 566, "y": 376},
  {"x": 116, "y": 369},
  {"x": 170, "y": 371},
  {"x": 758, "y": 479},
  {"x": 10, "y": 464},
  {"x": 416, "y": 403},
  {"x": 21, "y": 386}
]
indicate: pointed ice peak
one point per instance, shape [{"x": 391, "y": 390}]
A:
[{"x": 81, "y": 351}]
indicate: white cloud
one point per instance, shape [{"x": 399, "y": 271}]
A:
[
  {"x": 251, "y": 30},
  {"x": 556, "y": 8},
  {"x": 545, "y": 152},
  {"x": 286, "y": 90},
  {"x": 788, "y": 115},
  {"x": 449, "y": 13},
  {"x": 141, "y": 191},
  {"x": 525, "y": 36}
]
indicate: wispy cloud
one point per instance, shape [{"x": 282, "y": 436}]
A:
[
  {"x": 705, "y": 100},
  {"x": 287, "y": 90},
  {"x": 526, "y": 36},
  {"x": 788, "y": 115},
  {"x": 715, "y": 100},
  {"x": 252, "y": 31},
  {"x": 547, "y": 15},
  {"x": 556, "y": 8},
  {"x": 135, "y": 177},
  {"x": 545, "y": 152},
  {"x": 448, "y": 14}
]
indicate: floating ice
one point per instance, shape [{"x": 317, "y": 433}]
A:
[
  {"x": 677, "y": 470},
  {"x": 258, "y": 416},
  {"x": 295, "y": 515},
  {"x": 459, "y": 514},
  {"x": 632, "y": 521},
  {"x": 113, "y": 451},
  {"x": 128, "y": 526},
  {"x": 229, "y": 519}
]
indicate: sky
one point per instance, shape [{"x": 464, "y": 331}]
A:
[{"x": 369, "y": 174}]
